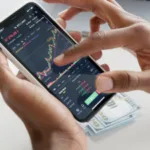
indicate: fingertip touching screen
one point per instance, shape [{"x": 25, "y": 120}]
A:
[{"x": 35, "y": 40}]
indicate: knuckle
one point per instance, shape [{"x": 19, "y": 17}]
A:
[
  {"x": 98, "y": 40},
  {"x": 95, "y": 20},
  {"x": 10, "y": 95},
  {"x": 133, "y": 81},
  {"x": 95, "y": 5},
  {"x": 12, "y": 92},
  {"x": 140, "y": 29},
  {"x": 98, "y": 36},
  {"x": 77, "y": 51},
  {"x": 13, "y": 89},
  {"x": 71, "y": 51},
  {"x": 38, "y": 98},
  {"x": 125, "y": 81},
  {"x": 121, "y": 80},
  {"x": 4, "y": 69},
  {"x": 146, "y": 85},
  {"x": 65, "y": 1},
  {"x": 92, "y": 20}
]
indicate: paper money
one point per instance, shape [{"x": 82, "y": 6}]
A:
[
  {"x": 96, "y": 128},
  {"x": 116, "y": 110},
  {"x": 119, "y": 111}
]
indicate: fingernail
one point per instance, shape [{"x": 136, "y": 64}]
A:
[
  {"x": 59, "y": 58},
  {"x": 58, "y": 19},
  {"x": 104, "y": 84},
  {"x": 62, "y": 13}
]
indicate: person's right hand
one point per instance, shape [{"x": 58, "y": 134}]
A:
[
  {"x": 128, "y": 31},
  {"x": 104, "y": 10}
]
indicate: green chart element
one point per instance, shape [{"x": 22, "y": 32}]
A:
[{"x": 91, "y": 98}]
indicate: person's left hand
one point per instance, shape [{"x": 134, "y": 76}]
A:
[{"x": 50, "y": 124}]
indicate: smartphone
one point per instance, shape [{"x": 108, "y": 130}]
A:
[{"x": 31, "y": 39}]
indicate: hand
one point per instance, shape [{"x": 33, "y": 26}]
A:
[
  {"x": 49, "y": 128},
  {"x": 105, "y": 11},
  {"x": 98, "y": 7},
  {"x": 128, "y": 31},
  {"x": 49, "y": 123}
]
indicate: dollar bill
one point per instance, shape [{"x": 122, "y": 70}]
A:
[
  {"x": 119, "y": 111},
  {"x": 116, "y": 110},
  {"x": 96, "y": 128}
]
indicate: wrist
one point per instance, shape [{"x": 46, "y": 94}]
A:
[
  {"x": 68, "y": 141},
  {"x": 58, "y": 140}
]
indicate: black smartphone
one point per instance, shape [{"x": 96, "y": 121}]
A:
[{"x": 31, "y": 39}]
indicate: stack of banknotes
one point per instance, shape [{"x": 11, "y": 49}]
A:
[{"x": 119, "y": 111}]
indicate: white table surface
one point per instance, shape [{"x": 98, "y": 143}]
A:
[{"x": 136, "y": 136}]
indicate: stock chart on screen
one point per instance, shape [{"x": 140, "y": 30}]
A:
[{"x": 36, "y": 40}]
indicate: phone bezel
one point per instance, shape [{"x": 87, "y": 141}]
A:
[{"x": 31, "y": 76}]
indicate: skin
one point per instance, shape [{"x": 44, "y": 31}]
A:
[
  {"x": 54, "y": 129},
  {"x": 49, "y": 128},
  {"x": 125, "y": 27}
]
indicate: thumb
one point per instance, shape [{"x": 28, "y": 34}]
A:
[{"x": 123, "y": 81}]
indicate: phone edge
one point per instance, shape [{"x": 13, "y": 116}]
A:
[{"x": 31, "y": 78}]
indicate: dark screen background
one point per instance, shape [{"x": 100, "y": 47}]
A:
[{"x": 36, "y": 40}]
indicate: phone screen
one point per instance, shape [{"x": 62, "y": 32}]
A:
[{"x": 35, "y": 40}]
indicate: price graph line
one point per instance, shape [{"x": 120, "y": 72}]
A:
[{"x": 49, "y": 59}]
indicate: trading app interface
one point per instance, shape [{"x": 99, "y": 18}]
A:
[{"x": 36, "y": 40}]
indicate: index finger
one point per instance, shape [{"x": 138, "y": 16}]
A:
[{"x": 99, "y": 41}]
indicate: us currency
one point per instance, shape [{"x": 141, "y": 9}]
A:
[
  {"x": 96, "y": 127},
  {"x": 116, "y": 110},
  {"x": 119, "y": 111}
]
